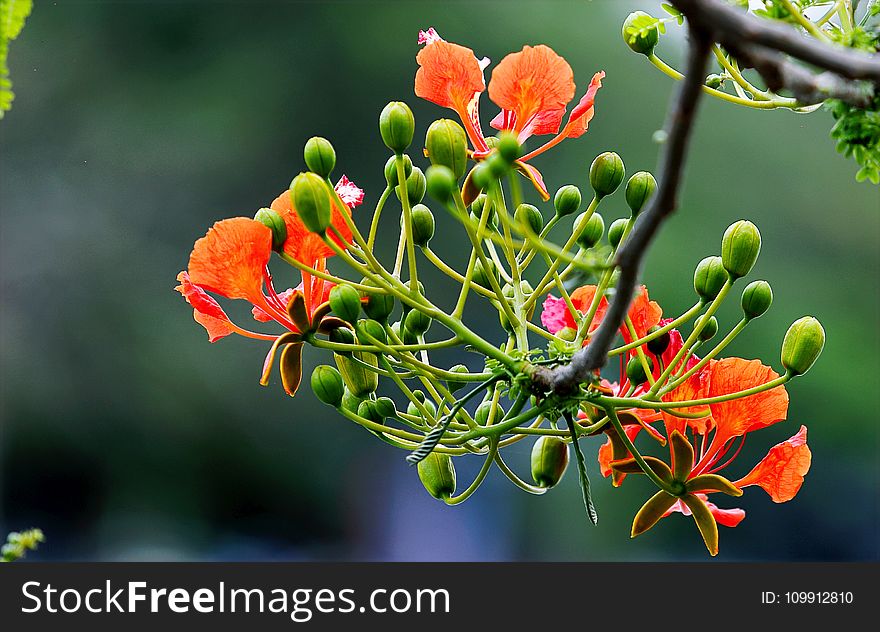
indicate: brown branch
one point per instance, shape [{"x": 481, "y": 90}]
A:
[
  {"x": 735, "y": 28},
  {"x": 565, "y": 379},
  {"x": 808, "y": 88}
]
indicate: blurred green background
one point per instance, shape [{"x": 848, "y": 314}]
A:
[{"x": 125, "y": 435}]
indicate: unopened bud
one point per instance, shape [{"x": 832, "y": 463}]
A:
[
  {"x": 714, "y": 81},
  {"x": 756, "y": 299},
  {"x": 437, "y": 475},
  {"x": 311, "y": 199},
  {"x": 709, "y": 277},
  {"x": 272, "y": 220},
  {"x": 417, "y": 322},
  {"x": 567, "y": 200},
  {"x": 528, "y": 215},
  {"x": 508, "y": 147},
  {"x": 606, "y": 173},
  {"x": 549, "y": 461},
  {"x": 440, "y": 182},
  {"x": 483, "y": 275},
  {"x": 345, "y": 301},
  {"x": 385, "y": 408},
  {"x": 422, "y": 224},
  {"x": 391, "y": 170},
  {"x": 802, "y": 345},
  {"x": 447, "y": 145},
  {"x": 659, "y": 344},
  {"x": 454, "y": 385},
  {"x": 740, "y": 247},
  {"x": 708, "y": 328},
  {"x": 635, "y": 371},
  {"x": 397, "y": 126},
  {"x": 590, "y": 230},
  {"x": 415, "y": 186},
  {"x": 639, "y": 189},
  {"x": 616, "y": 231},
  {"x": 327, "y": 385},
  {"x": 320, "y": 156},
  {"x": 377, "y": 305},
  {"x": 369, "y": 330},
  {"x": 359, "y": 379}
]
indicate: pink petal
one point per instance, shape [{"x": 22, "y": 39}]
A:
[
  {"x": 350, "y": 193},
  {"x": 430, "y": 36},
  {"x": 554, "y": 315}
]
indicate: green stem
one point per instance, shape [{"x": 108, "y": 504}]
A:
[{"x": 615, "y": 421}]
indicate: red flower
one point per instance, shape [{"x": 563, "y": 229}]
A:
[
  {"x": 231, "y": 261},
  {"x": 716, "y": 442},
  {"x": 532, "y": 87}
]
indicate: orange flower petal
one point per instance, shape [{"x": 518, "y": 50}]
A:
[
  {"x": 449, "y": 75},
  {"x": 206, "y": 311},
  {"x": 739, "y": 416},
  {"x": 532, "y": 81},
  {"x": 582, "y": 114},
  {"x": 644, "y": 314},
  {"x": 781, "y": 473},
  {"x": 695, "y": 387},
  {"x": 231, "y": 258},
  {"x": 217, "y": 328}
]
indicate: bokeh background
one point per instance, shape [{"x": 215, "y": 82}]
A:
[{"x": 125, "y": 435}]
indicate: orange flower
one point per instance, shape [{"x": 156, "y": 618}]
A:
[
  {"x": 532, "y": 87},
  {"x": 781, "y": 473},
  {"x": 232, "y": 259}
]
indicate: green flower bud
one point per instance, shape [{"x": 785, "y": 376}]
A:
[
  {"x": 345, "y": 301},
  {"x": 437, "y": 474},
  {"x": 422, "y": 224},
  {"x": 508, "y": 147},
  {"x": 606, "y": 173},
  {"x": 341, "y": 335},
  {"x": 447, "y": 145},
  {"x": 567, "y": 333},
  {"x": 272, "y": 220},
  {"x": 709, "y": 277},
  {"x": 416, "y": 185},
  {"x": 802, "y": 345},
  {"x": 498, "y": 167},
  {"x": 359, "y": 379},
  {"x": 481, "y": 416},
  {"x": 530, "y": 216},
  {"x": 709, "y": 329},
  {"x": 417, "y": 322},
  {"x": 420, "y": 395},
  {"x": 320, "y": 156},
  {"x": 413, "y": 410},
  {"x": 327, "y": 385},
  {"x": 377, "y": 305},
  {"x": 477, "y": 213},
  {"x": 369, "y": 329},
  {"x": 351, "y": 402},
  {"x": 740, "y": 247},
  {"x": 643, "y": 43},
  {"x": 616, "y": 230},
  {"x": 478, "y": 204},
  {"x": 714, "y": 81},
  {"x": 397, "y": 126},
  {"x": 549, "y": 461},
  {"x": 367, "y": 410},
  {"x": 440, "y": 182},
  {"x": 756, "y": 299},
  {"x": 311, "y": 199},
  {"x": 385, "y": 408},
  {"x": 567, "y": 200},
  {"x": 590, "y": 230},
  {"x": 391, "y": 170},
  {"x": 659, "y": 344},
  {"x": 482, "y": 275},
  {"x": 481, "y": 176},
  {"x": 639, "y": 189},
  {"x": 453, "y": 385},
  {"x": 635, "y": 372}
]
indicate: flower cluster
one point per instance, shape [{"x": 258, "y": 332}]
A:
[{"x": 672, "y": 389}]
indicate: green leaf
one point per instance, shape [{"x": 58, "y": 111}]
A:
[
  {"x": 13, "y": 13},
  {"x": 582, "y": 472}
]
